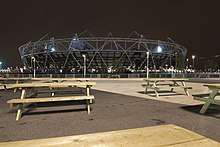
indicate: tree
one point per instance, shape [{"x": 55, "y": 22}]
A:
[
  {"x": 180, "y": 61},
  {"x": 210, "y": 65}
]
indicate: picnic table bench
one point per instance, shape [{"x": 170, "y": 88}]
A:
[
  {"x": 157, "y": 84},
  {"x": 27, "y": 86},
  {"x": 209, "y": 98}
]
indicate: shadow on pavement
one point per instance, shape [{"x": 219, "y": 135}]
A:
[
  {"x": 212, "y": 111},
  {"x": 161, "y": 93}
]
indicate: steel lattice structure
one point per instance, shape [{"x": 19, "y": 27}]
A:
[{"x": 101, "y": 52}]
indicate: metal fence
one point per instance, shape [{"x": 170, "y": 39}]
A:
[{"x": 135, "y": 75}]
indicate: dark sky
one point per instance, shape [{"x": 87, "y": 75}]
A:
[{"x": 194, "y": 24}]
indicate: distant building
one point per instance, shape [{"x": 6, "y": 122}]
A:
[{"x": 103, "y": 54}]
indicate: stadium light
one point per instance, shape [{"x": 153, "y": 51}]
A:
[
  {"x": 84, "y": 69},
  {"x": 52, "y": 49},
  {"x": 159, "y": 49}
]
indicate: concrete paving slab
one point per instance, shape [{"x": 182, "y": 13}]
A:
[{"x": 133, "y": 87}]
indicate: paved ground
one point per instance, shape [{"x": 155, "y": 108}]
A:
[
  {"x": 133, "y": 87},
  {"x": 111, "y": 111}
]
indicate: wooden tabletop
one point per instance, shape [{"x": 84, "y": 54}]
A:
[
  {"x": 13, "y": 79},
  {"x": 165, "y": 135},
  {"x": 213, "y": 86},
  {"x": 61, "y": 79},
  {"x": 165, "y": 79},
  {"x": 26, "y": 85}
]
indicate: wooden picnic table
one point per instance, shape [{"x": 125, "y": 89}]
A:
[
  {"x": 24, "y": 87},
  {"x": 17, "y": 80},
  {"x": 165, "y": 83},
  {"x": 209, "y": 98}
]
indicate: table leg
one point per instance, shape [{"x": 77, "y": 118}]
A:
[
  {"x": 5, "y": 87},
  {"x": 156, "y": 92},
  {"x": 88, "y": 106},
  {"x": 16, "y": 88},
  {"x": 53, "y": 93},
  {"x": 185, "y": 89},
  {"x": 174, "y": 84},
  {"x": 19, "y": 112},
  {"x": 34, "y": 93},
  {"x": 207, "y": 104},
  {"x": 148, "y": 83},
  {"x": 20, "y": 107},
  {"x": 88, "y": 92}
]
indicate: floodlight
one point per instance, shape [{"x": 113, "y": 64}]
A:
[
  {"x": 159, "y": 49},
  {"x": 52, "y": 49}
]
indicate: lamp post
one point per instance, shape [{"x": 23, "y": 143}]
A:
[
  {"x": 147, "y": 64},
  {"x": 193, "y": 58},
  {"x": 84, "y": 65},
  {"x": 187, "y": 63},
  {"x": 175, "y": 60},
  {"x": 34, "y": 60}
]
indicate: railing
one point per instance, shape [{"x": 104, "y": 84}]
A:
[{"x": 135, "y": 75}]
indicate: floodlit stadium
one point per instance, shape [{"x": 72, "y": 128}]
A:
[{"x": 102, "y": 54}]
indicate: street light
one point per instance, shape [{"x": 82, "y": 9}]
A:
[
  {"x": 0, "y": 65},
  {"x": 34, "y": 60},
  {"x": 84, "y": 70},
  {"x": 147, "y": 64},
  {"x": 193, "y": 57},
  {"x": 187, "y": 63}
]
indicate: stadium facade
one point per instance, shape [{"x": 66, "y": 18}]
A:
[{"x": 102, "y": 54}]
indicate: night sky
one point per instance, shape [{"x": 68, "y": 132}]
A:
[{"x": 194, "y": 24}]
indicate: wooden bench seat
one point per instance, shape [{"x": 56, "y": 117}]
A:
[
  {"x": 49, "y": 99},
  {"x": 20, "y": 102}
]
